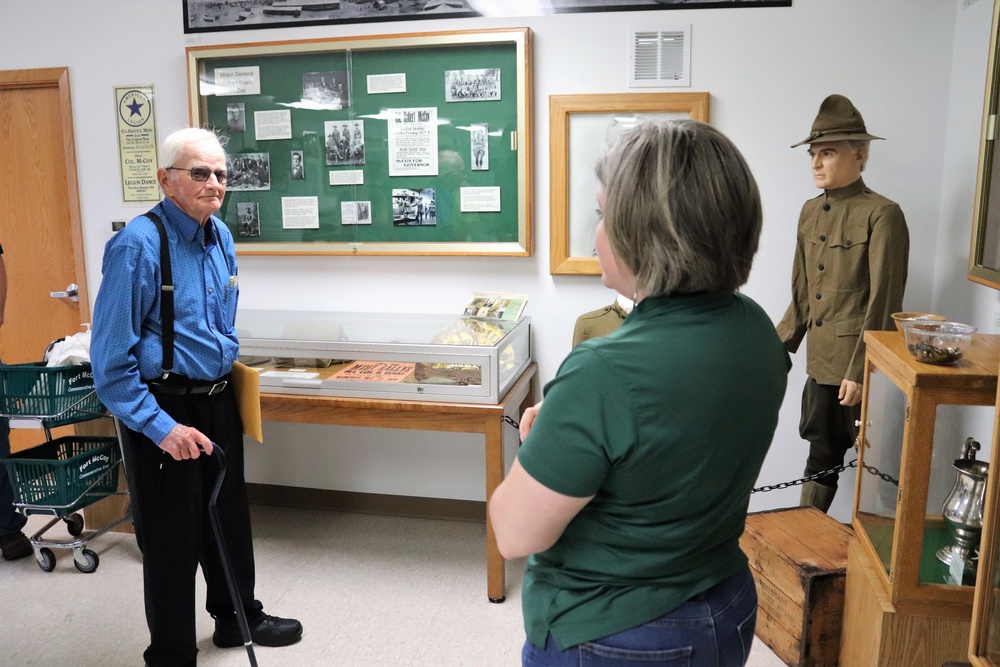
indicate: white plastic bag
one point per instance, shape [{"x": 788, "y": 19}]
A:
[{"x": 70, "y": 351}]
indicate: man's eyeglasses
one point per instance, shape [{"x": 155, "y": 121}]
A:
[{"x": 201, "y": 174}]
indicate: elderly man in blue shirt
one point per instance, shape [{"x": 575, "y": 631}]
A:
[{"x": 174, "y": 399}]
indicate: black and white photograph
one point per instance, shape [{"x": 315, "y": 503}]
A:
[
  {"x": 236, "y": 117},
  {"x": 414, "y": 208},
  {"x": 298, "y": 170},
  {"x": 364, "y": 212},
  {"x": 219, "y": 15},
  {"x": 326, "y": 90},
  {"x": 345, "y": 142},
  {"x": 480, "y": 146},
  {"x": 249, "y": 171},
  {"x": 356, "y": 213},
  {"x": 248, "y": 214},
  {"x": 472, "y": 85}
]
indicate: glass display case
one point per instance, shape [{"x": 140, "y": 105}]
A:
[
  {"x": 907, "y": 465},
  {"x": 386, "y": 356},
  {"x": 906, "y": 595},
  {"x": 984, "y": 649}
]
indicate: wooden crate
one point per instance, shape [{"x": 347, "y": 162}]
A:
[{"x": 799, "y": 560}]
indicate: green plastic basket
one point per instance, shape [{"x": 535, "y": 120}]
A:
[
  {"x": 58, "y": 395},
  {"x": 63, "y": 475}
]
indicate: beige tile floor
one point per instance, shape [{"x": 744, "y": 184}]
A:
[{"x": 371, "y": 591}]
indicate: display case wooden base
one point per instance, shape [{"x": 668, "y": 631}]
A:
[{"x": 876, "y": 634}]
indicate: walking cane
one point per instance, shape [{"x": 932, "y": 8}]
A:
[{"x": 213, "y": 516}]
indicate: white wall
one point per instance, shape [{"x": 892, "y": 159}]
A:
[{"x": 915, "y": 68}]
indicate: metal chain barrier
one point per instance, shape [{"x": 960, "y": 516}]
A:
[
  {"x": 885, "y": 477},
  {"x": 802, "y": 480},
  {"x": 838, "y": 469}
]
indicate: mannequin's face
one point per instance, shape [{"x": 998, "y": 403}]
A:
[{"x": 834, "y": 164}]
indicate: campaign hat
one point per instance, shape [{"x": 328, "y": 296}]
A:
[{"x": 838, "y": 120}]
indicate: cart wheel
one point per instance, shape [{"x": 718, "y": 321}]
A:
[
  {"x": 46, "y": 559},
  {"x": 74, "y": 524},
  {"x": 90, "y": 561}
]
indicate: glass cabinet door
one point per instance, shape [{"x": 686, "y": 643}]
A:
[
  {"x": 886, "y": 421},
  {"x": 989, "y": 641},
  {"x": 940, "y": 535},
  {"x": 879, "y": 477}
]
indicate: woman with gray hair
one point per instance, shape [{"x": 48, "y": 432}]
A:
[{"x": 631, "y": 488}]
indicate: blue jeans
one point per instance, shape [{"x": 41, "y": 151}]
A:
[{"x": 714, "y": 629}]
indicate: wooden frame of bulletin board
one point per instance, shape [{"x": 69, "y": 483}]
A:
[{"x": 412, "y": 144}]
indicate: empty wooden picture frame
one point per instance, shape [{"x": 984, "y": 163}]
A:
[{"x": 580, "y": 129}]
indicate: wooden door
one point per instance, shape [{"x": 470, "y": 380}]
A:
[{"x": 40, "y": 227}]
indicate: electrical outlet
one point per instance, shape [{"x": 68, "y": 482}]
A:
[
  {"x": 118, "y": 225},
  {"x": 996, "y": 322}
]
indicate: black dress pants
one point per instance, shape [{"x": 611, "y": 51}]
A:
[
  {"x": 170, "y": 511},
  {"x": 828, "y": 426}
]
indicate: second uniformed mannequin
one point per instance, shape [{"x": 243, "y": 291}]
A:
[
  {"x": 602, "y": 321},
  {"x": 848, "y": 277}
]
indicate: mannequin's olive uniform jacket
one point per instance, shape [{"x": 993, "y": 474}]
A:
[
  {"x": 848, "y": 277},
  {"x": 598, "y": 323}
]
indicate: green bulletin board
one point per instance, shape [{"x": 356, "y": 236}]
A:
[{"x": 476, "y": 82}]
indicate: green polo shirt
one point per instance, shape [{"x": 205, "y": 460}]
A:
[{"x": 666, "y": 423}]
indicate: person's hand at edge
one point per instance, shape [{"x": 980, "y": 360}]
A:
[
  {"x": 184, "y": 442},
  {"x": 527, "y": 419}
]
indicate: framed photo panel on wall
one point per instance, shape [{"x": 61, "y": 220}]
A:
[
  {"x": 412, "y": 144},
  {"x": 984, "y": 254},
  {"x": 216, "y": 15}
]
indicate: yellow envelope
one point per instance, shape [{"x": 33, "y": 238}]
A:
[{"x": 246, "y": 384}]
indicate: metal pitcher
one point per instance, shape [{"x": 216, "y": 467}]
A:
[{"x": 963, "y": 509}]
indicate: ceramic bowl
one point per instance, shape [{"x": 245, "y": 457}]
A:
[{"x": 902, "y": 318}]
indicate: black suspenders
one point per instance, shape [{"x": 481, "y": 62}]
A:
[{"x": 166, "y": 296}]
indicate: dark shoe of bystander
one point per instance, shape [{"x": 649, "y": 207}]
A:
[
  {"x": 15, "y": 545},
  {"x": 265, "y": 630}
]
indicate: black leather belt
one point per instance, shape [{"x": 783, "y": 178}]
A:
[{"x": 178, "y": 385}]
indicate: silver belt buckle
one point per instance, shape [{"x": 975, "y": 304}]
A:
[{"x": 218, "y": 387}]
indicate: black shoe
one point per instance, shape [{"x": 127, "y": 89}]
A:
[
  {"x": 15, "y": 545},
  {"x": 267, "y": 631}
]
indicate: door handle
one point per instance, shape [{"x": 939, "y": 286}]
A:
[{"x": 71, "y": 293}]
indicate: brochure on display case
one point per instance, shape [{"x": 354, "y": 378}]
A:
[{"x": 496, "y": 306}]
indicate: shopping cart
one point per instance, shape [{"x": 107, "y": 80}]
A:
[
  {"x": 33, "y": 395},
  {"x": 59, "y": 478},
  {"x": 62, "y": 475}
]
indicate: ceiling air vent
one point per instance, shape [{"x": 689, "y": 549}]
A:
[{"x": 659, "y": 58}]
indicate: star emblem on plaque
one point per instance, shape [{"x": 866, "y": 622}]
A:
[{"x": 134, "y": 108}]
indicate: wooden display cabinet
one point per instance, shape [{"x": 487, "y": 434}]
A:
[
  {"x": 984, "y": 642},
  {"x": 902, "y": 605}
]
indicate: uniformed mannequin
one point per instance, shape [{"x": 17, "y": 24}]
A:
[
  {"x": 848, "y": 277},
  {"x": 602, "y": 321}
]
